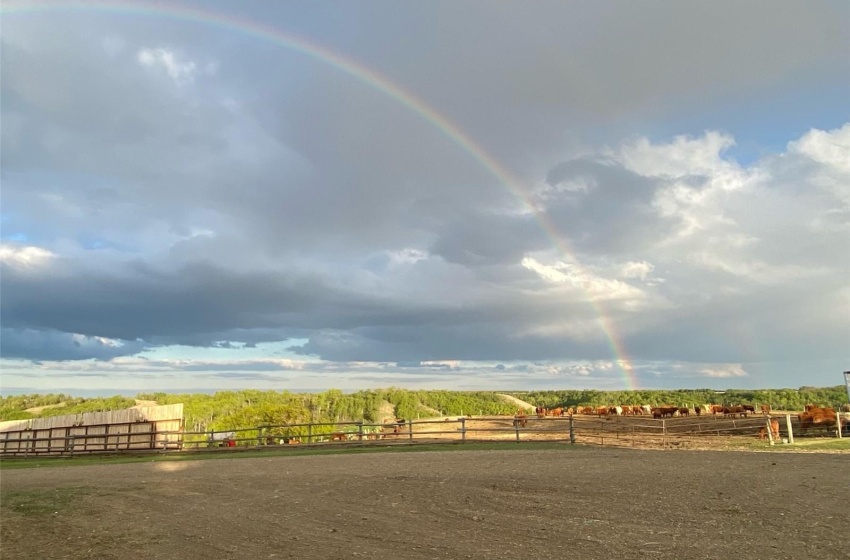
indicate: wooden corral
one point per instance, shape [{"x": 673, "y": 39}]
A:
[
  {"x": 164, "y": 433},
  {"x": 134, "y": 429}
]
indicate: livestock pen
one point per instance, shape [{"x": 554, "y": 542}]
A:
[{"x": 622, "y": 431}]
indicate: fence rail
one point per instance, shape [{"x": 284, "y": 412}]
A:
[{"x": 143, "y": 436}]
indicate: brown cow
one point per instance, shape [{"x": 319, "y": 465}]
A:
[
  {"x": 774, "y": 430},
  {"x": 556, "y": 412},
  {"x": 733, "y": 411},
  {"x": 602, "y": 410},
  {"x": 521, "y": 420},
  {"x": 668, "y": 411},
  {"x": 765, "y": 409},
  {"x": 815, "y": 416},
  {"x": 749, "y": 408},
  {"x": 339, "y": 436},
  {"x": 684, "y": 411}
]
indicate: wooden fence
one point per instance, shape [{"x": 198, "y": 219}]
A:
[
  {"x": 634, "y": 431},
  {"x": 134, "y": 429}
]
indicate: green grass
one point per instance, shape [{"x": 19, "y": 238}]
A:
[
  {"x": 41, "y": 502},
  {"x": 294, "y": 451},
  {"x": 802, "y": 444}
]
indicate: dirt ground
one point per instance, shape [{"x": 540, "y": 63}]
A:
[{"x": 574, "y": 502}]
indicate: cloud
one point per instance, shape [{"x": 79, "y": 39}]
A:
[
  {"x": 42, "y": 345},
  {"x": 181, "y": 71},
  {"x": 24, "y": 256},
  {"x": 731, "y": 370},
  {"x": 288, "y": 200}
]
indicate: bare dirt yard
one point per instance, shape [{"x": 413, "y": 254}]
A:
[{"x": 569, "y": 502}]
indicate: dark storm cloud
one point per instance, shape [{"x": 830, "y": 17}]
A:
[
  {"x": 38, "y": 345},
  {"x": 609, "y": 210}
]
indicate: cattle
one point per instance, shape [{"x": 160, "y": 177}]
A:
[
  {"x": 733, "y": 411},
  {"x": 765, "y": 409},
  {"x": 521, "y": 420},
  {"x": 684, "y": 411},
  {"x": 587, "y": 410},
  {"x": 774, "y": 428},
  {"x": 602, "y": 410},
  {"x": 616, "y": 410},
  {"x": 556, "y": 412},
  {"x": 668, "y": 410},
  {"x": 717, "y": 409},
  {"x": 646, "y": 409},
  {"x": 664, "y": 411},
  {"x": 749, "y": 408},
  {"x": 814, "y": 417},
  {"x": 540, "y": 411},
  {"x": 697, "y": 410},
  {"x": 339, "y": 436}
]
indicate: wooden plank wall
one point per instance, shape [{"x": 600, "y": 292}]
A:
[{"x": 134, "y": 428}]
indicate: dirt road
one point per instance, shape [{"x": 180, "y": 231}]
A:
[{"x": 572, "y": 503}]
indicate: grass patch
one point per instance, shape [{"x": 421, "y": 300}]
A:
[
  {"x": 800, "y": 444},
  {"x": 292, "y": 451},
  {"x": 41, "y": 502}
]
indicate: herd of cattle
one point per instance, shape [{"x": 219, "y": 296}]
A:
[
  {"x": 741, "y": 410},
  {"x": 812, "y": 417}
]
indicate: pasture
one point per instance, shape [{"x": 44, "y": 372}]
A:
[{"x": 553, "y": 502}]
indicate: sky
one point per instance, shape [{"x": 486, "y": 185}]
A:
[{"x": 202, "y": 196}]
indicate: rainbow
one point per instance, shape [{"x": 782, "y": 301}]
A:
[{"x": 365, "y": 75}]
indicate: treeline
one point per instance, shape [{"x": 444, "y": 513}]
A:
[
  {"x": 778, "y": 399},
  {"x": 229, "y": 410},
  {"x": 15, "y": 407}
]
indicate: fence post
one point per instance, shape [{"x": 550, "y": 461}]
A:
[
  {"x": 769, "y": 432},
  {"x": 838, "y": 422},
  {"x": 259, "y": 436},
  {"x": 309, "y": 433},
  {"x": 572, "y": 430},
  {"x": 410, "y": 429},
  {"x": 360, "y": 430},
  {"x": 516, "y": 428},
  {"x": 71, "y": 452},
  {"x": 463, "y": 429},
  {"x": 790, "y": 430}
]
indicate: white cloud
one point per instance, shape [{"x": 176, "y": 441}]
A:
[
  {"x": 181, "y": 71},
  {"x": 724, "y": 371},
  {"x": 640, "y": 270},
  {"x": 596, "y": 287},
  {"x": 831, "y": 148},
  {"x": 24, "y": 256}
]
